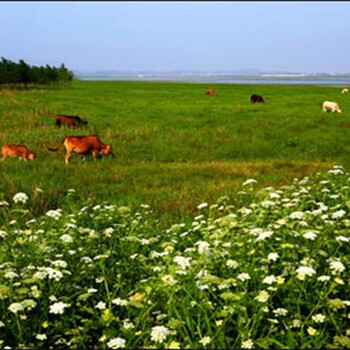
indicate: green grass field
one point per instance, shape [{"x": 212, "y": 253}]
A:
[
  {"x": 218, "y": 224},
  {"x": 174, "y": 146}
]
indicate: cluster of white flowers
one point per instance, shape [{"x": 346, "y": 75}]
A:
[
  {"x": 337, "y": 267},
  {"x": 263, "y": 296},
  {"x": 58, "y": 308},
  {"x": 303, "y": 271},
  {"x": 247, "y": 344},
  {"x": 16, "y": 307},
  {"x": 20, "y": 197},
  {"x": 159, "y": 334},
  {"x": 243, "y": 276},
  {"x": 66, "y": 238},
  {"x": 182, "y": 261},
  {"x": 120, "y": 302},
  {"x": 203, "y": 247},
  {"x": 55, "y": 214},
  {"x": 116, "y": 343}
]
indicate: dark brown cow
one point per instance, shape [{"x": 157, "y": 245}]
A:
[
  {"x": 22, "y": 152},
  {"x": 83, "y": 145},
  {"x": 256, "y": 98},
  {"x": 70, "y": 120},
  {"x": 210, "y": 92}
]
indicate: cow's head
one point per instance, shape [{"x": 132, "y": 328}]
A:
[
  {"x": 31, "y": 155},
  {"x": 106, "y": 149}
]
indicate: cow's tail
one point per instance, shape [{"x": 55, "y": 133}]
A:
[{"x": 57, "y": 148}]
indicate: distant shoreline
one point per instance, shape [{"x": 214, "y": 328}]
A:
[{"x": 297, "y": 78}]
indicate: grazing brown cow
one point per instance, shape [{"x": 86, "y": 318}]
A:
[
  {"x": 256, "y": 98},
  {"x": 83, "y": 145},
  {"x": 70, "y": 120},
  {"x": 210, "y": 92},
  {"x": 22, "y": 152}
]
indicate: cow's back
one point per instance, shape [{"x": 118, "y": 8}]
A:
[{"x": 83, "y": 143}]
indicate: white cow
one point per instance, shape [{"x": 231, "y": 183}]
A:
[
  {"x": 332, "y": 106},
  {"x": 344, "y": 91}
]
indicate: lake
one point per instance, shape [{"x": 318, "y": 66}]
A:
[{"x": 335, "y": 80}]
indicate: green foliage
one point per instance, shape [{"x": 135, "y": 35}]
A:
[
  {"x": 21, "y": 73},
  {"x": 273, "y": 273}
]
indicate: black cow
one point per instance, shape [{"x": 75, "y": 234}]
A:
[{"x": 256, "y": 98}]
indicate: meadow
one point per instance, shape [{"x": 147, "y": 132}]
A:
[
  {"x": 174, "y": 147},
  {"x": 272, "y": 274},
  {"x": 218, "y": 223}
]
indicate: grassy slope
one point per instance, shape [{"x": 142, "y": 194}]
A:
[{"x": 175, "y": 147}]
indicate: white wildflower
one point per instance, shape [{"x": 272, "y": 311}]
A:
[
  {"x": 11, "y": 275},
  {"x": 280, "y": 312},
  {"x": 247, "y": 344},
  {"x": 263, "y": 296},
  {"x": 233, "y": 264},
  {"x": 243, "y": 277},
  {"x": 249, "y": 181},
  {"x": 100, "y": 305},
  {"x": 323, "y": 278},
  {"x": 202, "y": 205},
  {"x": 269, "y": 279},
  {"x": 15, "y": 307},
  {"x": 28, "y": 304},
  {"x": 310, "y": 235},
  {"x": 203, "y": 247},
  {"x": 264, "y": 235},
  {"x": 66, "y": 238},
  {"x": 182, "y": 261},
  {"x": 127, "y": 324},
  {"x": 338, "y": 214},
  {"x": 55, "y": 214},
  {"x": 319, "y": 318},
  {"x": 205, "y": 341},
  {"x": 58, "y": 308},
  {"x": 116, "y": 343},
  {"x": 297, "y": 215},
  {"x": 41, "y": 336},
  {"x": 296, "y": 323},
  {"x": 120, "y": 302},
  {"x": 338, "y": 238},
  {"x": 272, "y": 256},
  {"x": 60, "y": 263},
  {"x": 20, "y": 197},
  {"x": 305, "y": 271},
  {"x": 336, "y": 267},
  {"x": 159, "y": 334}
]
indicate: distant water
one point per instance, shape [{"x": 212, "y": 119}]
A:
[{"x": 230, "y": 79}]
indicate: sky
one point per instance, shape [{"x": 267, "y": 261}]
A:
[{"x": 178, "y": 36}]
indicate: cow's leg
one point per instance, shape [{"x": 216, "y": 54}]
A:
[
  {"x": 67, "y": 156},
  {"x": 94, "y": 154},
  {"x": 3, "y": 157}
]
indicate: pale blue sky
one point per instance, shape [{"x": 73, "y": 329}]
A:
[{"x": 166, "y": 36}]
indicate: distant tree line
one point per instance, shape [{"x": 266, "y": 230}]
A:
[{"x": 23, "y": 73}]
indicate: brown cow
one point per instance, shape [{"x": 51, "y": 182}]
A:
[
  {"x": 22, "y": 152},
  {"x": 256, "y": 98},
  {"x": 70, "y": 120},
  {"x": 210, "y": 92},
  {"x": 83, "y": 145}
]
